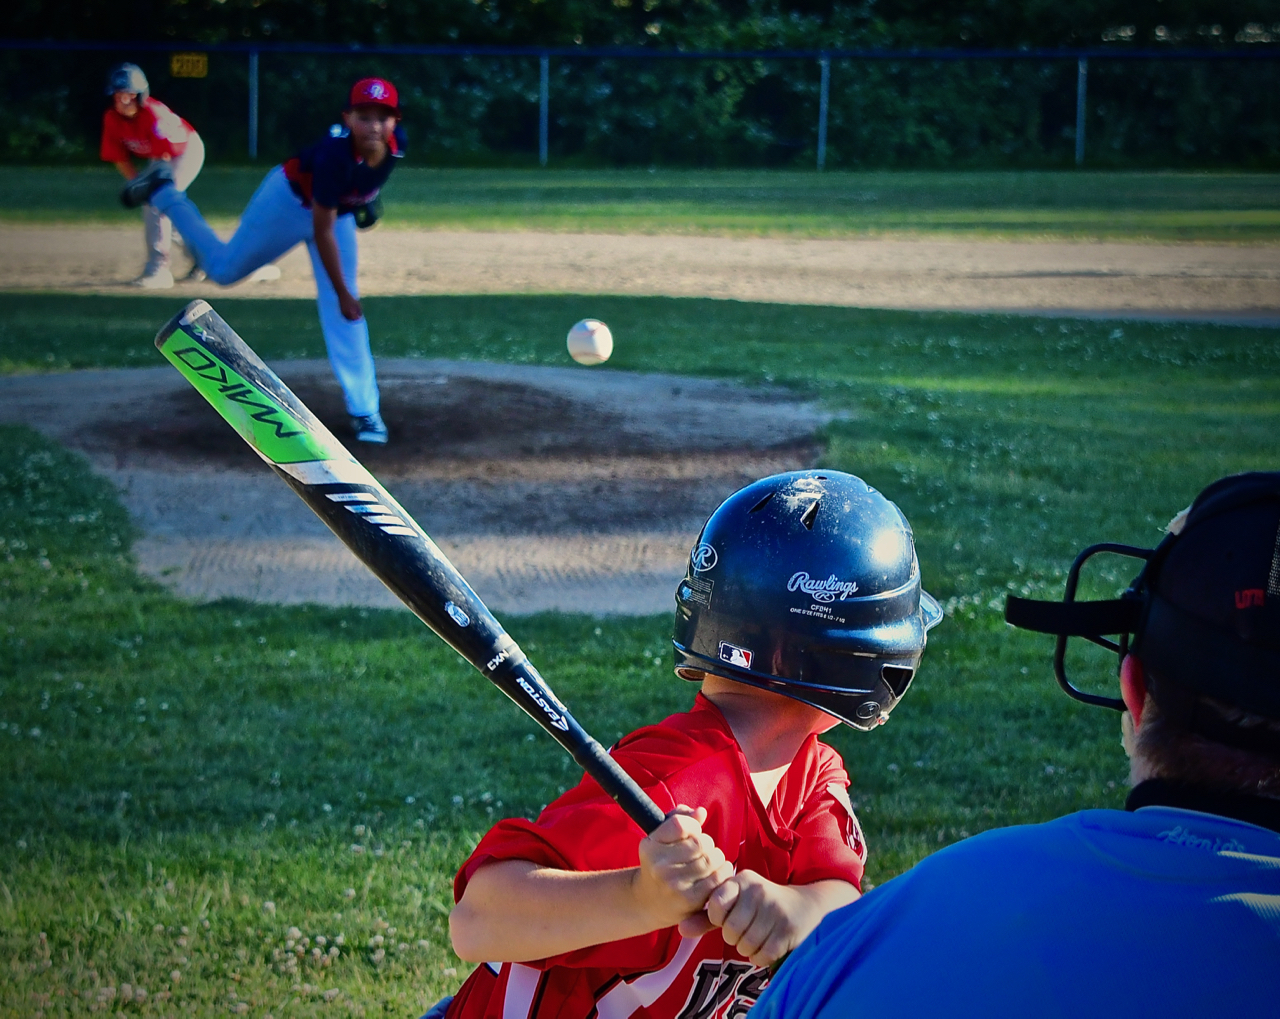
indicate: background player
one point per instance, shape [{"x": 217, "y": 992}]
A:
[
  {"x": 137, "y": 126},
  {"x": 801, "y": 608},
  {"x": 315, "y": 198},
  {"x": 1170, "y": 907}
]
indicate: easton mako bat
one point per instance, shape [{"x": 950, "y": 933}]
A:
[{"x": 364, "y": 516}]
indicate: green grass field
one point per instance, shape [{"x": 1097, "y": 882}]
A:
[
  {"x": 1152, "y": 206},
  {"x": 172, "y": 769}
]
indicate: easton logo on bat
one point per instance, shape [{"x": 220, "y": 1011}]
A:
[
  {"x": 371, "y": 510},
  {"x": 236, "y": 391},
  {"x": 556, "y": 718}
]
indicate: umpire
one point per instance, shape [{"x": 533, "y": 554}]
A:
[{"x": 1168, "y": 908}]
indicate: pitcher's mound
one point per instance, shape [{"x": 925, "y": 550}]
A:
[{"x": 552, "y": 488}]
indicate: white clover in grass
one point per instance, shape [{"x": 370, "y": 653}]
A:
[
  {"x": 331, "y": 994},
  {"x": 327, "y": 808},
  {"x": 333, "y": 952},
  {"x": 269, "y": 908},
  {"x": 357, "y": 848},
  {"x": 341, "y": 939},
  {"x": 457, "y": 801},
  {"x": 321, "y": 940},
  {"x": 410, "y": 799},
  {"x": 164, "y": 705},
  {"x": 175, "y": 976},
  {"x": 294, "y": 933},
  {"x": 379, "y": 955},
  {"x": 449, "y": 971},
  {"x": 375, "y": 941},
  {"x": 358, "y": 830},
  {"x": 423, "y": 943},
  {"x": 350, "y": 893}
]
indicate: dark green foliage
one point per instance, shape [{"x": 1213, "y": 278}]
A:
[{"x": 611, "y": 112}]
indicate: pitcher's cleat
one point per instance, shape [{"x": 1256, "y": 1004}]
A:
[
  {"x": 155, "y": 279},
  {"x": 194, "y": 275},
  {"x": 370, "y": 429},
  {"x": 139, "y": 190},
  {"x": 265, "y": 274}
]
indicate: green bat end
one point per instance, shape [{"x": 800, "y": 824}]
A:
[{"x": 239, "y": 386}]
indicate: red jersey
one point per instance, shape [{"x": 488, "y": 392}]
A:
[
  {"x": 153, "y": 133},
  {"x": 807, "y": 833}
]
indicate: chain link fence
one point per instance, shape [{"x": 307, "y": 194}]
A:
[{"x": 1017, "y": 109}]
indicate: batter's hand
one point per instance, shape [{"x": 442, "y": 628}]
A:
[
  {"x": 349, "y": 307},
  {"x": 762, "y": 920},
  {"x": 680, "y": 866}
]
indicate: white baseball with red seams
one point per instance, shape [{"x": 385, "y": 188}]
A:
[{"x": 590, "y": 342}]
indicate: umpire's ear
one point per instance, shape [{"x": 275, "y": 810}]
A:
[{"x": 1133, "y": 687}]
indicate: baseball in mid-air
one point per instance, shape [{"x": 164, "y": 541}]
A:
[{"x": 590, "y": 342}]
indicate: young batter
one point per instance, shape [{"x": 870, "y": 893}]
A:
[
  {"x": 801, "y": 608},
  {"x": 315, "y": 198},
  {"x": 136, "y": 126}
]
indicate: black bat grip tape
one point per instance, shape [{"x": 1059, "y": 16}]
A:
[{"x": 597, "y": 763}]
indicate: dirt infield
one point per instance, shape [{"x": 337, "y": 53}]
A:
[
  {"x": 551, "y": 488},
  {"x": 1237, "y": 283}
]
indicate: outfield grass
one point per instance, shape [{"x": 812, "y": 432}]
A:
[
  {"x": 173, "y": 768},
  {"x": 1154, "y": 206}
]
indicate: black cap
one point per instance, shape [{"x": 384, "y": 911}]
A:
[
  {"x": 1212, "y": 623},
  {"x": 1205, "y": 610}
]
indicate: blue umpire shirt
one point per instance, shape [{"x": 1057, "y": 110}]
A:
[{"x": 1159, "y": 912}]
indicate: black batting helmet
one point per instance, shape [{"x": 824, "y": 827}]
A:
[
  {"x": 128, "y": 78},
  {"x": 807, "y": 584},
  {"x": 1203, "y": 614}
]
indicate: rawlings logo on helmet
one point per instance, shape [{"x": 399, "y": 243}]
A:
[
  {"x": 822, "y": 590},
  {"x": 703, "y": 557}
]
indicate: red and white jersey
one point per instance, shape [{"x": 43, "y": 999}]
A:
[
  {"x": 153, "y": 133},
  {"x": 807, "y": 833}
]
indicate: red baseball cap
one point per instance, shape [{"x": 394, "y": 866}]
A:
[{"x": 375, "y": 92}]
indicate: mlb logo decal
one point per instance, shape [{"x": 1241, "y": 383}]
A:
[{"x": 734, "y": 655}]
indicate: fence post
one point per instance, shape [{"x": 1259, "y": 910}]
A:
[
  {"x": 824, "y": 94},
  {"x": 253, "y": 104},
  {"x": 544, "y": 101},
  {"x": 1082, "y": 83}
]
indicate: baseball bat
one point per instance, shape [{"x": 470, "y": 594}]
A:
[{"x": 364, "y": 516}]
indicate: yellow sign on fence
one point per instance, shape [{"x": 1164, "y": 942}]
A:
[{"x": 189, "y": 65}]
